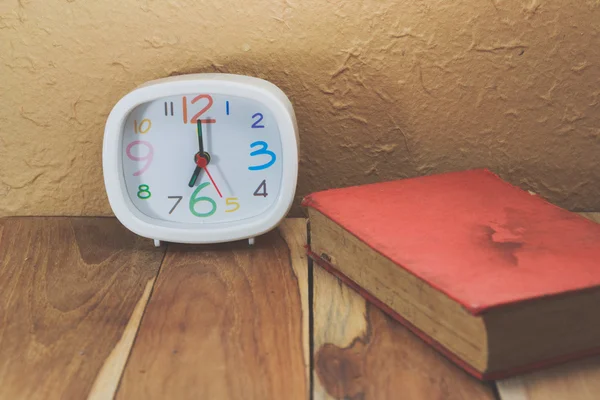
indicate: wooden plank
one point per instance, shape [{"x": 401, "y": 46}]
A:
[
  {"x": 575, "y": 380},
  {"x": 68, "y": 287},
  {"x": 224, "y": 322},
  {"x": 359, "y": 352},
  {"x": 293, "y": 231}
]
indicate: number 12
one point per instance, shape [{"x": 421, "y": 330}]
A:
[{"x": 199, "y": 113}]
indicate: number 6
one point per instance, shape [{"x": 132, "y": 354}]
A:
[{"x": 194, "y": 200}]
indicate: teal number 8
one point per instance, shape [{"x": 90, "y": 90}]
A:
[
  {"x": 194, "y": 200},
  {"x": 263, "y": 150},
  {"x": 144, "y": 192}
]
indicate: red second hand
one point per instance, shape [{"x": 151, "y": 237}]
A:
[
  {"x": 213, "y": 182},
  {"x": 202, "y": 162}
]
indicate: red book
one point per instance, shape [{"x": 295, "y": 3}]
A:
[{"x": 497, "y": 279}]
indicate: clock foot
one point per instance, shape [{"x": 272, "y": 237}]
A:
[
  {"x": 251, "y": 241},
  {"x": 156, "y": 243}
]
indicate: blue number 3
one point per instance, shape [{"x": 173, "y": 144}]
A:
[{"x": 261, "y": 151}]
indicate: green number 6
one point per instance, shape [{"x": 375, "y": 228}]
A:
[{"x": 194, "y": 200}]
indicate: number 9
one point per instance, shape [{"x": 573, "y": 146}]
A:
[{"x": 148, "y": 157}]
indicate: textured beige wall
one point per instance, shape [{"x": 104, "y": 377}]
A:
[{"x": 382, "y": 89}]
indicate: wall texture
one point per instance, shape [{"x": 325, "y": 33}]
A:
[{"x": 382, "y": 89}]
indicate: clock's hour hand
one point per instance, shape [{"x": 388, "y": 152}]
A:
[
  {"x": 201, "y": 158},
  {"x": 201, "y": 162},
  {"x": 194, "y": 177}
]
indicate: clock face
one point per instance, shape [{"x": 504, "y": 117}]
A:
[{"x": 236, "y": 174}]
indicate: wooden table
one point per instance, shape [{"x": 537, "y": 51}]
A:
[{"x": 88, "y": 309}]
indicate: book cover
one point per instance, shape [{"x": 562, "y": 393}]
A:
[{"x": 478, "y": 239}]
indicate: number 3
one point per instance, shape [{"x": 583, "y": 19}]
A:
[{"x": 263, "y": 150}]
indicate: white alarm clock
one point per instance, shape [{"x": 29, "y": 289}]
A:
[{"x": 201, "y": 158}]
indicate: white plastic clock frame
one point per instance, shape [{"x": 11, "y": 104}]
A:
[{"x": 227, "y": 84}]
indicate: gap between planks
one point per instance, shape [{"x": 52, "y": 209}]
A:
[{"x": 106, "y": 383}]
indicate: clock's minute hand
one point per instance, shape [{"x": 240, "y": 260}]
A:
[{"x": 200, "y": 141}]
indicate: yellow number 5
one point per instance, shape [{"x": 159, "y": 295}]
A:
[{"x": 232, "y": 201}]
